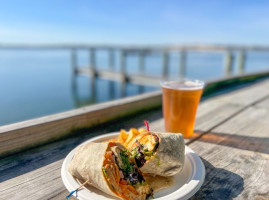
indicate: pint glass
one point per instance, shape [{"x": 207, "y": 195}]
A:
[{"x": 180, "y": 102}]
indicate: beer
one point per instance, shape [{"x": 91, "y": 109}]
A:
[{"x": 180, "y": 102}]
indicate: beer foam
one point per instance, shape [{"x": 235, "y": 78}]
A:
[{"x": 183, "y": 84}]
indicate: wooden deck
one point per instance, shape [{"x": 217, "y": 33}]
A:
[{"x": 232, "y": 139}]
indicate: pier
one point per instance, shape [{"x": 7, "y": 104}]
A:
[{"x": 233, "y": 56}]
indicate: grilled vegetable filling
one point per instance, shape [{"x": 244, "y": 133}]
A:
[
  {"x": 130, "y": 172},
  {"x": 145, "y": 148},
  {"x": 123, "y": 175}
]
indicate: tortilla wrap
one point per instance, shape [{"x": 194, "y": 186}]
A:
[
  {"x": 169, "y": 157},
  {"x": 87, "y": 164},
  {"x": 90, "y": 163}
]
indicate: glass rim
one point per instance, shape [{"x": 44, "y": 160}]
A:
[{"x": 198, "y": 84}]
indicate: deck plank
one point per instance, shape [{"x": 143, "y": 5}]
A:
[
  {"x": 236, "y": 156},
  {"x": 42, "y": 183},
  {"x": 232, "y": 173},
  {"x": 263, "y": 104}
]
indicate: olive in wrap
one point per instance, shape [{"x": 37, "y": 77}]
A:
[
  {"x": 156, "y": 153},
  {"x": 109, "y": 168}
]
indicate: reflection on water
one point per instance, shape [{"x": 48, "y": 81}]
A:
[{"x": 102, "y": 90}]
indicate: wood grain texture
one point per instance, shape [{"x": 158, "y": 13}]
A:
[
  {"x": 232, "y": 173},
  {"x": 263, "y": 104},
  {"x": 236, "y": 156},
  {"x": 33, "y": 185}
]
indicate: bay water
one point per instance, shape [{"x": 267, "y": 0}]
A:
[{"x": 36, "y": 83}]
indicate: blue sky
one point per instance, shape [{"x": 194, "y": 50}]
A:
[{"x": 134, "y": 21}]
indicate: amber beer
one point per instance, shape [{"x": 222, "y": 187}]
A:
[{"x": 180, "y": 102}]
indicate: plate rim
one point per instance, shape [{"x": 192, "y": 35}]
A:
[{"x": 196, "y": 162}]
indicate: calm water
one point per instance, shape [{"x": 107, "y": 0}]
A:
[{"x": 38, "y": 83}]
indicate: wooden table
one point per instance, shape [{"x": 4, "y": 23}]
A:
[{"x": 232, "y": 139}]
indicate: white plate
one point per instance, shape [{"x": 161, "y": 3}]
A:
[{"x": 187, "y": 182}]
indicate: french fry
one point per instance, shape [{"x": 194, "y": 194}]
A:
[
  {"x": 126, "y": 137},
  {"x": 123, "y": 136},
  {"x": 132, "y": 133}
]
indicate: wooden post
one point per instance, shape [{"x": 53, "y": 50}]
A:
[
  {"x": 92, "y": 63},
  {"x": 228, "y": 61},
  {"x": 141, "y": 89},
  {"x": 93, "y": 89},
  {"x": 112, "y": 66},
  {"x": 182, "y": 63},
  {"x": 93, "y": 74},
  {"x": 123, "y": 66},
  {"x": 165, "y": 65},
  {"x": 141, "y": 62},
  {"x": 123, "y": 89},
  {"x": 74, "y": 68},
  {"x": 75, "y": 97},
  {"x": 241, "y": 62},
  {"x": 112, "y": 91},
  {"x": 111, "y": 60}
]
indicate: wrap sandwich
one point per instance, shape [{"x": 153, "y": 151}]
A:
[
  {"x": 109, "y": 167},
  {"x": 157, "y": 153}
]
